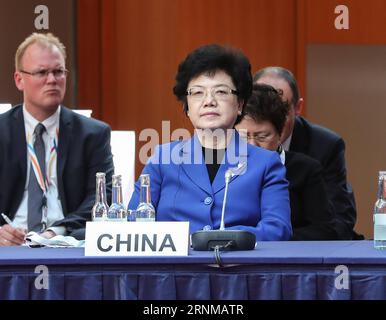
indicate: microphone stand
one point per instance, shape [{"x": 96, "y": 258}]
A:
[
  {"x": 228, "y": 176},
  {"x": 222, "y": 239}
]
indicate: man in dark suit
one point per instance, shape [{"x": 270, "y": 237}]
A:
[
  {"x": 49, "y": 155},
  {"x": 320, "y": 143},
  {"x": 264, "y": 117}
]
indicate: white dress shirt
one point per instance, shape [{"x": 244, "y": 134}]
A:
[
  {"x": 282, "y": 156},
  {"x": 286, "y": 144},
  {"x": 54, "y": 206}
]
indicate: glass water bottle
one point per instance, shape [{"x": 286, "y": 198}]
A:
[
  {"x": 100, "y": 208},
  {"x": 117, "y": 211},
  {"x": 380, "y": 213},
  {"x": 145, "y": 210}
]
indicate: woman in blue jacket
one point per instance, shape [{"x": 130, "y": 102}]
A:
[{"x": 188, "y": 177}]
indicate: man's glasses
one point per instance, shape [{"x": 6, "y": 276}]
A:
[
  {"x": 222, "y": 92},
  {"x": 43, "y": 74},
  {"x": 258, "y": 138}
]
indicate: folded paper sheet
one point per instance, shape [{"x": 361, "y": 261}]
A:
[{"x": 34, "y": 239}]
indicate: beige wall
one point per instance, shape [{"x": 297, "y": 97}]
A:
[
  {"x": 17, "y": 19},
  {"x": 347, "y": 93}
]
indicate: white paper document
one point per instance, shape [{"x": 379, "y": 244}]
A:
[{"x": 34, "y": 239}]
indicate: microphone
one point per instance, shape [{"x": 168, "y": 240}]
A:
[
  {"x": 205, "y": 240},
  {"x": 231, "y": 172}
]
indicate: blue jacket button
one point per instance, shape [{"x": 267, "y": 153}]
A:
[{"x": 208, "y": 200}]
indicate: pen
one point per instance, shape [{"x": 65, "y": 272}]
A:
[{"x": 7, "y": 220}]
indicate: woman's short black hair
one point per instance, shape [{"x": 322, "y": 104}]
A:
[
  {"x": 266, "y": 104},
  {"x": 209, "y": 59}
]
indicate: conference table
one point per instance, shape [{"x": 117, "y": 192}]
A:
[{"x": 273, "y": 270}]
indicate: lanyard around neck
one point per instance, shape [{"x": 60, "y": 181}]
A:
[{"x": 43, "y": 183}]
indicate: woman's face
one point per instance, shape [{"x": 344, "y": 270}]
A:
[
  {"x": 211, "y": 102},
  {"x": 261, "y": 133}
]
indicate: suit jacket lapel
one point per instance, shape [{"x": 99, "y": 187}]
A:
[
  {"x": 65, "y": 137},
  {"x": 20, "y": 145},
  {"x": 193, "y": 164},
  {"x": 17, "y": 155}
]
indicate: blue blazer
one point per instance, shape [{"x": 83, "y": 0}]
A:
[{"x": 257, "y": 199}]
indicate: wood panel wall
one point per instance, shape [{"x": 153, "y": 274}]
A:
[
  {"x": 366, "y": 23},
  {"x": 348, "y": 98}
]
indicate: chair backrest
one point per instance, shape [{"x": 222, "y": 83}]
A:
[
  {"x": 4, "y": 107},
  {"x": 123, "y": 150},
  {"x": 86, "y": 112}
]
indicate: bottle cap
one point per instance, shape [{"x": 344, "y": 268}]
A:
[
  {"x": 100, "y": 175},
  {"x": 117, "y": 179},
  {"x": 144, "y": 179}
]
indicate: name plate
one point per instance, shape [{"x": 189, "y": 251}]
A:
[{"x": 161, "y": 238}]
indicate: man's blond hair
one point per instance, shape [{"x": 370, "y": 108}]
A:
[{"x": 45, "y": 40}]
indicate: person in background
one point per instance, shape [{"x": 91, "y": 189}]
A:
[
  {"x": 188, "y": 177},
  {"x": 262, "y": 125},
  {"x": 49, "y": 155},
  {"x": 320, "y": 143}
]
